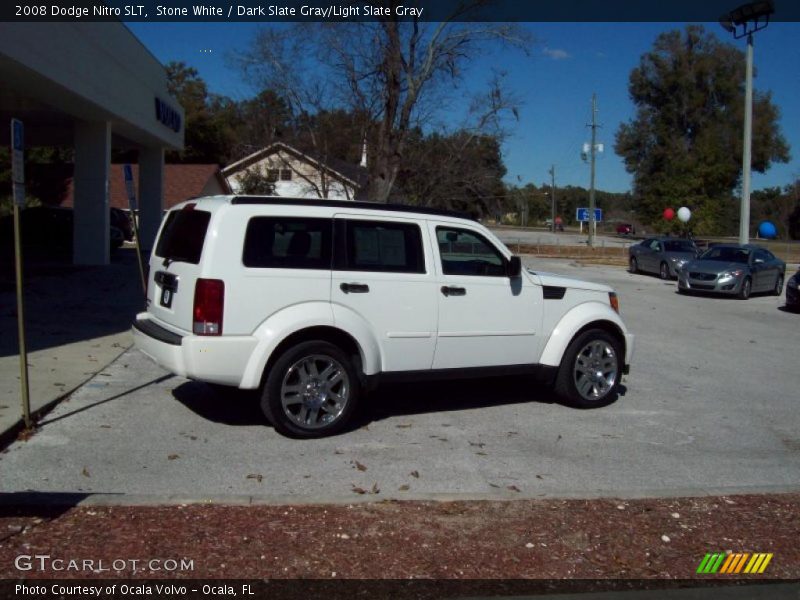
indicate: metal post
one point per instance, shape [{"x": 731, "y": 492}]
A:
[
  {"x": 23, "y": 351},
  {"x": 593, "y": 153},
  {"x": 744, "y": 213},
  {"x": 553, "y": 197}
]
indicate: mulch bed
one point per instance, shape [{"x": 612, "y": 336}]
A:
[{"x": 541, "y": 539}]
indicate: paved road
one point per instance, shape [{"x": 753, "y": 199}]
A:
[{"x": 710, "y": 405}]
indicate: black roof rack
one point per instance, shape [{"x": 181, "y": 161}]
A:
[{"x": 283, "y": 200}]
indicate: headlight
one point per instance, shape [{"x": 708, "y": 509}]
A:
[{"x": 731, "y": 274}]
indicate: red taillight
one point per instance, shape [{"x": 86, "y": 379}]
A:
[{"x": 209, "y": 302}]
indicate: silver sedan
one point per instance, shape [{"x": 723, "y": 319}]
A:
[
  {"x": 733, "y": 269},
  {"x": 664, "y": 256}
]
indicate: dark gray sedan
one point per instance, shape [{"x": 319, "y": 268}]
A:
[
  {"x": 664, "y": 255},
  {"x": 733, "y": 269}
]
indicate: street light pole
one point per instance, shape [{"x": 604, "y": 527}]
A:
[
  {"x": 744, "y": 212},
  {"x": 553, "y": 198},
  {"x": 745, "y": 21}
]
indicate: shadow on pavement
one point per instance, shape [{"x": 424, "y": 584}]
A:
[
  {"x": 66, "y": 304},
  {"x": 38, "y": 504},
  {"x": 231, "y": 406},
  {"x": 101, "y": 402}
]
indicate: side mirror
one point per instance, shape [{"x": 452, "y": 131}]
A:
[{"x": 514, "y": 267}]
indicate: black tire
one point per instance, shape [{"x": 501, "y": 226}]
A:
[
  {"x": 746, "y": 289},
  {"x": 634, "y": 265},
  {"x": 566, "y": 384},
  {"x": 663, "y": 272},
  {"x": 294, "y": 365},
  {"x": 778, "y": 290}
]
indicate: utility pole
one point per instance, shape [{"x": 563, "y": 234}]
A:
[
  {"x": 593, "y": 153},
  {"x": 744, "y": 214},
  {"x": 553, "y": 197}
]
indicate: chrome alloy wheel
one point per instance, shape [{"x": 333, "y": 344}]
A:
[
  {"x": 315, "y": 391},
  {"x": 596, "y": 370}
]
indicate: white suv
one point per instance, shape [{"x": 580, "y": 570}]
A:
[{"x": 313, "y": 302}]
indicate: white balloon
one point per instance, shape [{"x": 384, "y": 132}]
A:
[{"x": 684, "y": 214}]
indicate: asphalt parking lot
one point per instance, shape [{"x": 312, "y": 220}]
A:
[{"x": 710, "y": 406}]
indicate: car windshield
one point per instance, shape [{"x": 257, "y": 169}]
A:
[
  {"x": 679, "y": 246},
  {"x": 727, "y": 254}
]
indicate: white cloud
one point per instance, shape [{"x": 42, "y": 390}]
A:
[{"x": 556, "y": 53}]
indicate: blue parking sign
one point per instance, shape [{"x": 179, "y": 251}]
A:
[
  {"x": 582, "y": 215},
  {"x": 18, "y": 161}
]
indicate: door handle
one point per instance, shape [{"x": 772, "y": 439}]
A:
[
  {"x": 354, "y": 288},
  {"x": 453, "y": 291}
]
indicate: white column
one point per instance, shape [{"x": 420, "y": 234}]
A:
[
  {"x": 151, "y": 195},
  {"x": 91, "y": 244}
]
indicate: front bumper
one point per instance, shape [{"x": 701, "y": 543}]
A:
[
  {"x": 205, "y": 358},
  {"x": 713, "y": 286}
]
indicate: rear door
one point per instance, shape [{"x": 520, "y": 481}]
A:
[
  {"x": 175, "y": 266},
  {"x": 384, "y": 278}
]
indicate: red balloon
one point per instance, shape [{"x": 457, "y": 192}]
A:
[{"x": 669, "y": 214}]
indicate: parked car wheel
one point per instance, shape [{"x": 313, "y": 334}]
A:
[
  {"x": 778, "y": 286},
  {"x": 311, "y": 391},
  {"x": 634, "y": 265},
  {"x": 590, "y": 371},
  {"x": 747, "y": 287},
  {"x": 663, "y": 271}
]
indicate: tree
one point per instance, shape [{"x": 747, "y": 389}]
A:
[
  {"x": 458, "y": 171},
  {"x": 393, "y": 74},
  {"x": 207, "y": 138},
  {"x": 684, "y": 145},
  {"x": 254, "y": 181}
]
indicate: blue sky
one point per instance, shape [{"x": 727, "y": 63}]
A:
[{"x": 569, "y": 62}]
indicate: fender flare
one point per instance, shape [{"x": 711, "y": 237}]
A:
[
  {"x": 293, "y": 319},
  {"x": 573, "y": 321}
]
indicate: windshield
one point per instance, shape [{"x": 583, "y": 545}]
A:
[
  {"x": 183, "y": 236},
  {"x": 679, "y": 246},
  {"x": 727, "y": 254}
]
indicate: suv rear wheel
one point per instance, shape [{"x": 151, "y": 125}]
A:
[
  {"x": 311, "y": 390},
  {"x": 590, "y": 371}
]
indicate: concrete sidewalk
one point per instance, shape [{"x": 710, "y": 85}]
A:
[{"x": 77, "y": 321}]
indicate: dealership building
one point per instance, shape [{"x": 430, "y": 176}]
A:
[{"x": 92, "y": 86}]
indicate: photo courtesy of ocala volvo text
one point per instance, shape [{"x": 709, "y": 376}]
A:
[{"x": 314, "y": 302}]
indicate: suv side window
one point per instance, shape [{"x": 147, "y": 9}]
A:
[
  {"x": 288, "y": 243},
  {"x": 655, "y": 246},
  {"x": 381, "y": 246},
  {"x": 468, "y": 253}
]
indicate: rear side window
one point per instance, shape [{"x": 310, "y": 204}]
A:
[
  {"x": 384, "y": 247},
  {"x": 183, "y": 236},
  {"x": 287, "y": 243}
]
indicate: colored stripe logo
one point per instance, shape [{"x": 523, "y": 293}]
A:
[{"x": 732, "y": 563}]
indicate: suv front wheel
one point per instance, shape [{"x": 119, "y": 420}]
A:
[
  {"x": 590, "y": 370},
  {"x": 311, "y": 390}
]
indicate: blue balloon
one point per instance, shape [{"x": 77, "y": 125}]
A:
[{"x": 767, "y": 230}]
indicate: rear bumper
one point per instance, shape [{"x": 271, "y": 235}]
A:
[{"x": 213, "y": 359}]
